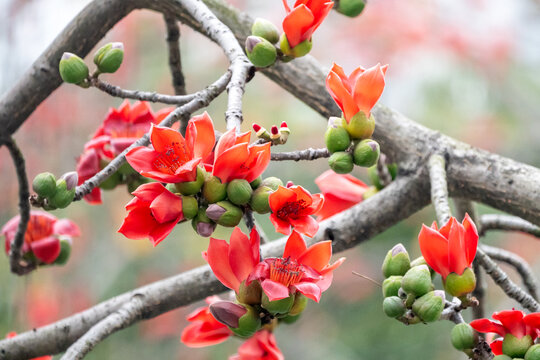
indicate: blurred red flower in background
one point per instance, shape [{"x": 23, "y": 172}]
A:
[
  {"x": 261, "y": 346},
  {"x": 204, "y": 329}
]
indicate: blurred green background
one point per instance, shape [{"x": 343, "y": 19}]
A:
[{"x": 468, "y": 68}]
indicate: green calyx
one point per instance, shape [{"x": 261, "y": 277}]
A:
[
  {"x": 272, "y": 182},
  {"x": 65, "y": 251},
  {"x": 192, "y": 187},
  {"x": 109, "y": 57},
  {"x": 44, "y": 184},
  {"x": 249, "y": 294},
  {"x": 256, "y": 183},
  {"x": 298, "y": 51},
  {"x": 360, "y": 126},
  {"x": 248, "y": 324},
  {"x": 276, "y": 307},
  {"x": 516, "y": 347},
  {"x": 366, "y": 153},
  {"x": 351, "y": 8},
  {"x": 260, "y": 52},
  {"x": 265, "y": 29},
  {"x": 190, "y": 206},
  {"x": 391, "y": 285},
  {"x": 239, "y": 191},
  {"x": 460, "y": 285},
  {"x": 336, "y": 137},
  {"x": 72, "y": 68},
  {"x": 213, "y": 190},
  {"x": 417, "y": 281},
  {"x": 299, "y": 304},
  {"x": 429, "y": 307},
  {"x": 393, "y": 307},
  {"x": 463, "y": 337},
  {"x": 259, "y": 201},
  {"x": 229, "y": 216},
  {"x": 62, "y": 196},
  {"x": 396, "y": 262},
  {"x": 341, "y": 162}
]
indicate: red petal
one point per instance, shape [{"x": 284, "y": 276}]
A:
[
  {"x": 257, "y": 162},
  {"x": 344, "y": 187},
  {"x": 434, "y": 248},
  {"x": 200, "y": 135},
  {"x": 240, "y": 255},
  {"x": 330, "y": 268},
  {"x": 280, "y": 197},
  {"x": 310, "y": 290},
  {"x": 162, "y": 138},
  {"x": 138, "y": 224},
  {"x": 195, "y": 336},
  {"x": 142, "y": 159},
  {"x": 496, "y": 347},
  {"x": 161, "y": 231},
  {"x": 318, "y": 202},
  {"x": 512, "y": 320},
  {"x": 46, "y": 249},
  {"x": 66, "y": 227},
  {"x": 532, "y": 321},
  {"x": 294, "y": 247},
  {"x": 225, "y": 142},
  {"x": 457, "y": 256},
  {"x": 333, "y": 205},
  {"x": 274, "y": 290},
  {"x": 341, "y": 96},
  {"x": 320, "y": 9},
  {"x": 368, "y": 88},
  {"x": 255, "y": 244},
  {"x": 305, "y": 225},
  {"x": 445, "y": 230},
  {"x": 296, "y": 24},
  {"x": 229, "y": 161},
  {"x": 488, "y": 326},
  {"x": 167, "y": 207},
  {"x": 317, "y": 255},
  {"x": 281, "y": 226},
  {"x": 218, "y": 259},
  {"x": 471, "y": 238}
]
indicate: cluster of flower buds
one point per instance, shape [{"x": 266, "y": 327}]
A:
[
  {"x": 408, "y": 291},
  {"x": 351, "y": 8},
  {"x": 260, "y": 45},
  {"x": 108, "y": 59},
  {"x": 55, "y": 194},
  {"x": 277, "y": 136}
]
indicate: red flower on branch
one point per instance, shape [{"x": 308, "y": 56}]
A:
[
  {"x": 340, "y": 193},
  {"x": 12, "y": 334},
  {"x": 292, "y": 206},
  {"x": 512, "y": 322},
  {"x": 357, "y": 92},
  {"x": 302, "y": 269},
  {"x": 234, "y": 158},
  {"x": 173, "y": 159},
  {"x": 233, "y": 262},
  {"x": 153, "y": 213},
  {"x": 450, "y": 249},
  {"x": 42, "y": 237},
  {"x": 204, "y": 329},
  {"x": 305, "y": 17},
  {"x": 261, "y": 346}
]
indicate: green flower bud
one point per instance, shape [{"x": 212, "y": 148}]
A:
[
  {"x": 243, "y": 320},
  {"x": 248, "y": 324},
  {"x": 225, "y": 213},
  {"x": 533, "y": 353},
  {"x": 299, "y": 305},
  {"x": 396, "y": 262},
  {"x": 275, "y": 307},
  {"x": 265, "y": 29},
  {"x": 259, "y": 201},
  {"x": 374, "y": 177},
  {"x": 109, "y": 57},
  {"x": 370, "y": 191},
  {"x": 393, "y": 169},
  {"x": 366, "y": 153},
  {"x": 393, "y": 307},
  {"x": 190, "y": 206},
  {"x": 459, "y": 285},
  {"x": 72, "y": 68},
  {"x": 65, "y": 190},
  {"x": 341, "y": 162},
  {"x": 239, "y": 191},
  {"x": 290, "y": 319},
  {"x": 272, "y": 182},
  {"x": 351, "y": 8},
  {"x": 502, "y": 357},
  {"x": 213, "y": 190},
  {"x": 251, "y": 294},
  {"x": 360, "y": 126},
  {"x": 65, "y": 251},
  {"x": 260, "y": 51},
  {"x": 336, "y": 137},
  {"x": 44, "y": 184},
  {"x": 421, "y": 261},
  {"x": 256, "y": 183},
  {"x": 391, "y": 285},
  {"x": 111, "y": 182},
  {"x": 298, "y": 51},
  {"x": 516, "y": 347},
  {"x": 202, "y": 224},
  {"x": 463, "y": 337},
  {"x": 192, "y": 187},
  {"x": 429, "y": 306},
  {"x": 417, "y": 281}
]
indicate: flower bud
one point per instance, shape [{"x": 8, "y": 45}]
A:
[
  {"x": 429, "y": 306},
  {"x": 213, "y": 190},
  {"x": 265, "y": 29},
  {"x": 341, "y": 162},
  {"x": 374, "y": 177},
  {"x": 190, "y": 206},
  {"x": 284, "y": 132},
  {"x": 351, "y": 8},
  {"x": 366, "y": 153},
  {"x": 360, "y": 126},
  {"x": 202, "y": 224},
  {"x": 259, "y": 201},
  {"x": 502, "y": 357},
  {"x": 391, "y": 285},
  {"x": 249, "y": 294},
  {"x": 299, "y": 304},
  {"x": 290, "y": 319},
  {"x": 370, "y": 191},
  {"x": 276, "y": 307},
  {"x": 224, "y": 213},
  {"x": 421, "y": 261},
  {"x": 261, "y": 132},
  {"x": 256, "y": 183},
  {"x": 272, "y": 182},
  {"x": 298, "y": 51},
  {"x": 44, "y": 184},
  {"x": 109, "y": 57},
  {"x": 243, "y": 320},
  {"x": 516, "y": 347},
  {"x": 72, "y": 68},
  {"x": 72, "y": 178},
  {"x": 62, "y": 196},
  {"x": 239, "y": 191},
  {"x": 393, "y": 307},
  {"x": 533, "y": 353},
  {"x": 396, "y": 262},
  {"x": 463, "y": 337},
  {"x": 417, "y": 281},
  {"x": 192, "y": 187},
  {"x": 260, "y": 52},
  {"x": 275, "y": 136},
  {"x": 459, "y": 285},
  {"x": 336, "y": 137},
  {"x": 65, "y": 251},
  {"x": 111, "y": 182}
]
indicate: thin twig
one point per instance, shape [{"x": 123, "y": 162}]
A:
[
  {"x": 175, "y": 60},
  {"x": 452, "y": 311},
  {"x": 382, "y": 170},
  {"x": 439, "y": 188},
  {"x": 307, "y": 154},
  {"x": 508, "y": 223}
]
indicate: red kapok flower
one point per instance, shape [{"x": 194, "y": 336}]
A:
[
  {"x": 305, "y": 17},
  {"x": 12, "y": 334},
  {"x": 292, "y": 206},
  {"x": 153, "y": 213},
  {"x": 204, "y": 329},
  {"x": 357, "y": 92},
  {"x": 512, "y": 322},
  {"x": 233, "y": 262},
  {"x": 42, "y": 234},
  {"x": 302, "y": 269},
  {"x": 261, "y": 346},
  {"x": 340, "y": 193},
  {"x": 236, "y": 159},
  {"x": 172, "y": 158}
]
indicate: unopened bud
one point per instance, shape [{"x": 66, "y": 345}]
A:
[
  {"x": 190, "y": 206},
  {"x": 256, "y": 183},
  {"x": 336, "y": 137},
  {"x": 225, "y": 213},
  {"x": 259, "y": 200},
  {"x": 463, "y": 337},
  {"x": 62, "y": 196},
  {"x": 44, "y": 184},
  {"x": 460, "y": 285},
  {"x": 391, "y": 285},
  {"x": 360, "y": 126},
  {"x": 72, "y": 68},
  {"x": 284, "y": 132},
  {"x": 243, "y": 320},
  {"x": 429, "y": 306},
  {"x": 202, "y": 224},
  {"x": 65, "y": 251},
  {"x": 351, "y": 8},
  {"x": 516, "y": 347},
  {"x": 417, "y": 281},
  {"x": 260, "y": 51},
  {"x": 502, "y": 357},
  {"x": 72, "y": 178},
  {"x": 239, "y": 191},
  {"x": 298, "y": 51},
  {"x": 192, "y": 187},
  {"x": 109, "y": 57},
  {"x": 366, "y": 153},
  {"x": 214, "y": 190},
  {"x": 261, "y": 132},
  {"x": 299, "y": 305},
  {"x": 341, "y": 162},
  {"x": 272, "y": 182},
  {"x": 421, "y": 261},
  {"x": 533, "y": 353},
  {"x": 274, "y": 134},
  {"x": 281, "y": 306},
  {"x": 266, "y": 30},
  {"x": 396, "y": 262},
  {"x": 393, "y": 307},
  {"x": 249, "y": 294}
]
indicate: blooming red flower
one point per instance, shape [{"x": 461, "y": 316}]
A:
[
  {"x": 121, "y": 128},
  {"x": 42, "y": 235},
  {"x": 12, "y": 334},
  {"x": 204, "y": 329},
  {"x": 357, "y": 92},
  {"x": 512, "y": 322},
  {"x": 232, "y": 263},
  {"x": 450, "y": 249},
  {"x": 261, "y": 346},
  {"x": 292, "y": 206},
  {"x": 153, "y": 213},
  {"x": 234, "y": 158},
  {"x": 172, "y": 158},
  {"x": 305, "y": 17},
  {"x": 340, "y": 193},
  {"x": 302, "y": 269}
]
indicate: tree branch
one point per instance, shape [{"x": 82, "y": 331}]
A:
[
  {"x": 439, "y": 189},
  {"x": 382, "y": 170},
  {"x": 175, "y": 60},
  {"x": 307, "y": 154},
  {"x": 507, "y": 223}
]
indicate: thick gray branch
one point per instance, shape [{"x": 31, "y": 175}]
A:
[
  {"x": 307, "y": 154},
  {"x": 439, "y": 188}
]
